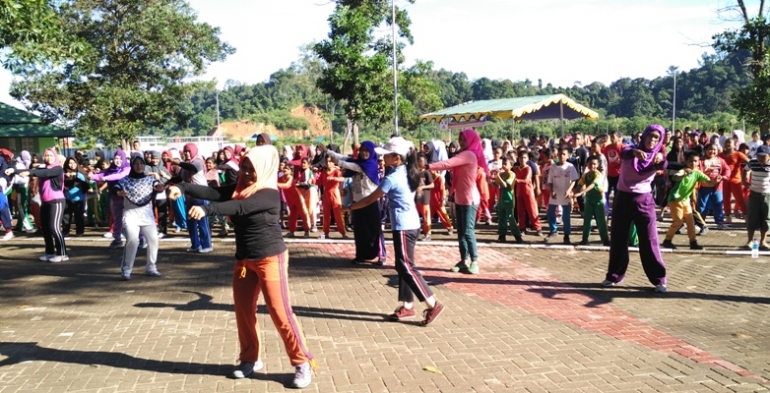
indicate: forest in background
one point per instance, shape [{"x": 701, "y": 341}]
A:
[{"x": 626, "y": 105}]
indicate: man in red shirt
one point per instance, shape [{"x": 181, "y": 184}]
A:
[{"x": 612, "y": 152}]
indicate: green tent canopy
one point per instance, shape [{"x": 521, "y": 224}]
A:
[{"x": 556, "y": 106}]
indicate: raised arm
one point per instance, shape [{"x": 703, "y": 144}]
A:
[
  {"x": 216, "y": 194},
  {"x": 463, "y": 158},
  {"x": 262, "y": 201}
]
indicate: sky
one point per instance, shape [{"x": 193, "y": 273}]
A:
[{"x": 562, "y": 42}]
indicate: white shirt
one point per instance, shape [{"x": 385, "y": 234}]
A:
[
  {"x": 362, "y": 184},
  {"x": 559, "y": 179},
  {"x": 753, "y": 146}
]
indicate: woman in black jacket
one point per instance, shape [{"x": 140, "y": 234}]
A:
[{"x": 254, "y": 204}]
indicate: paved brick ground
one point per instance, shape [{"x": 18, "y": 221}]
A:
[{"x": 535, "y": 320}]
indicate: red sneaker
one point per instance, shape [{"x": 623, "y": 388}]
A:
[
  {"x": 402, "y": 313},
  {"x": 432, "y": 313}
]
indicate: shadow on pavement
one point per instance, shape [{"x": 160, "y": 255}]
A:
[{"x": 204, "y": 302}]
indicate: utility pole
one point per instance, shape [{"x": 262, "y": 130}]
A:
[
  {"x": 217, "y": 98},
  {"x": 673, "y": 70},
  {"x": 395, "y": 67}
]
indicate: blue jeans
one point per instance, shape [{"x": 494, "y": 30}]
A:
[
  {"x": 199, "y": 231},
  {"x": 710, "y": 199},
  {"x": 565, "y": 218},
  {"x": 466, "y": 231}
]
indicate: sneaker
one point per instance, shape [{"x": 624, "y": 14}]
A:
[
  {"x": 56, "y": 259},
  {"x": 764, "y": 247},
  {"x": 704, "y": 230},
  {"x": 161, "y": 235},
  {"x": 176, "y": 230},
  {"x": 539, "y": 233},
  {"x": 107, "y": 235},
  {"x": 402, "y": 313},
  {"x": 8, "y": 236},
  {"x": 608, "y": 283},
  {"x": 46, "y": 257},
  {"x": 668, "y": 244},
  {"x": 206, "y": 250},
  {"x": 723, "y": 226},
  {"x": 152, "y": 273},
  {"x": 291, "y": 235},
  {"x": 65, "y": 258},
  {"x": 115, "y": 244},
  {"x": 194, "y": 249},
  {"x": 519, "y": 240},
  {"x": 426, "y": 238},
  {"x": 695, "y": 246},
  {"x": 449, "y": 232},
  {"x": 302, "y": 375},
  {"x": 142, "y": 244},
  {"x": 431, "y": 314},
  {"x": 606, "y": 244},
  {"x": 245, "y": 369},
  {"x": 583, "y": 242},
  {"x": 566, "y": 240},
  {"x": 380, "y": 262},
  {"x": 459, "y": 266},
  {"x": 125, "y": 276},
  {"x": 345, "y": 236},
  {"x": 314, "y": 229},
  {"x": 680, "y": 230},
  {"x": 323, "y": 236},
  {"x": 660, "y": 288},
  {"x": 501, "y": 239},
  {"x": 551, "y": 237},
  {"x": 307, "y": 235},
  {"x": 473, "y": 268}
]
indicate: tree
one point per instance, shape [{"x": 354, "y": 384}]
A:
[
  {"x": 753, "y": 100},
  {"x": 31, "y": 31},
  {"x": 358, "y": 63},
  {"x": 139, "y": 55}
]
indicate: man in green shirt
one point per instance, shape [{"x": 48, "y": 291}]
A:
[
  {"x": 505, "y": 204},
  {"x": 680, "y": 196},
  {"x": 592, "y": 186}
]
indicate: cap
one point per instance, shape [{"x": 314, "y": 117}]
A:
[
  {"x": 396, "y": 145},
  {"x": 763, "y": 150}
]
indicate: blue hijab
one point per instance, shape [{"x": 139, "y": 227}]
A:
[{"x": 368, "y": 167}]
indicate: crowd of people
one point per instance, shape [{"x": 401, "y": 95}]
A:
[{"x": 260, "y": 192}]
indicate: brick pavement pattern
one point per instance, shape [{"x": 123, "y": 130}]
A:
[{"x": 534, "y": 320}]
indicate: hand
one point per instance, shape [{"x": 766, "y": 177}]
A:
[
  {"x": 569, "y": 194},
  {"x": 719, "y": 178},
  {"x": 658, "y": 158},
  {"x": 9, "y": 171},
  {"x": 687, "y": 171},
  {"x": 639, "y": 154},
  {"x": 174, "y": 193},
  {"x": 196, "y": 213},
  {"x": 121, "y": 193},
  {"x": 553, "y": 194}
]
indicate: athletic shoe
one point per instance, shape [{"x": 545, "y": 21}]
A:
[
  {"x": 723, "y": 226},
  {"x": 459, "y": 266},
  {"x": 449, "y": 232},
  {"x": 291, "y": 234},
  {"x": 107, "y": 235},
  {"x": 245, "y": 369},
  {"x": 704, "y": 230},
  {"x": 65, "y": 258},
  {"x": 431, "y": 314},
  {"x": 583, "y": 242},
  {"x": 345, "y": 236},
  {"x": 115, "y": 244},
  {"x": 473, "y": 268},
  {"x": 194, "y": 249},
  {"x": 519, "y": 240},
  {"x": 426, "y": 237},
  {"x": 8, "y": 236},
  {"x": 606, "y": 244},
  {"x": 380, "y": 262},
  {"x": 501, "y": 239},
  {"x": 161, "y": 235},
  {"x": 152, "y": 273},
  {"x": 46, "y": 257},
  {"x": 566, "y": 240},
  {"x": 55, "y": 259},
  {"x": 314, "y": 229},
  {"x": 695, "y": 246},
  {"x": 206, "y": 250},
  {"x": 125, "y": 277},
  {"x": 142, "y": 244},
  {"x": 307, "y": 235},
  {"x": 302, "y": 375},
  {"x": 402, "y": 313},
  {"x": 668, "y": 244},
  {"x": 551, "y": 237},
  {"x": 660, "y": 288},
  {"x": 608, "y": 283}
]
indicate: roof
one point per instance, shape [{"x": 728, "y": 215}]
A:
[
  {"x": 520, "y": 108},
  {"x": 16, "y": 123}
]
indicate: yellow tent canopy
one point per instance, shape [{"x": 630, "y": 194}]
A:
[{"x": 556, "y": 106}]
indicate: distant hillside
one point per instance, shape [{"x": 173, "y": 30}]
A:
[{"x": 245, "y": 129}]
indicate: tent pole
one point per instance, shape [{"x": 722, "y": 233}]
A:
[
  {"x": 513, "y": 130},
  {"x": 561, "y": 117}
]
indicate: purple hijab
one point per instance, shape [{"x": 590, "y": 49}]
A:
[
  {"x": 368, "y": 167},
  {"x": 647, "y": 163}
]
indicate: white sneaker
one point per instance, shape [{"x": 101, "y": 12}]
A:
[
  {"x": 660, "y": 288},
  {"x": 723, "y": 226},
  {"x": 206, "y": 250},
  {"x": 107, "y": 235},
  {"x": 245, "y": 369},
  {"x": 46, "y": 257},
  {"x": 608, "y": 283},
  {"x": 55, "y": 259},
  {"x": 161, "y": 235},
  {"x": 303, "y": 375},
  {"x": 8, "y": 236}
]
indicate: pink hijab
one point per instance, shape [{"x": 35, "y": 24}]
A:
[{"x": 473, "y": 145}]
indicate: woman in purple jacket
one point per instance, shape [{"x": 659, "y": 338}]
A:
[
  {"x": 119, "y": 169},
  {"x": 52, "y": 207}
]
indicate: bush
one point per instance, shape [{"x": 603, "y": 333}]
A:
[{"x": 282, "y": 120}]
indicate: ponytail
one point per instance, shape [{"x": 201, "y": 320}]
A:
[{"x": 412, "y": 170}]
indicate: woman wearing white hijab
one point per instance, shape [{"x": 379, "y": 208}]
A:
[{"x": 489, "y": 154}]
